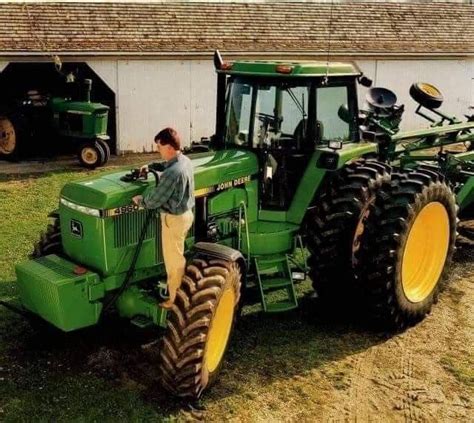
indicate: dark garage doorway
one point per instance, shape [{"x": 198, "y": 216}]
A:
[{"x": 18, "y": 78}]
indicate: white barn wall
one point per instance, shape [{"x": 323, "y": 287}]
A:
[
  {"x": 203, "y": 99},
  {"x": 152, "y": 94},
  {"x": 452, "y": 77},
  {"x": 472, "y": 83}
]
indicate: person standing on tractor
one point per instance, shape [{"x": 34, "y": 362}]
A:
[{"x": 174, "y": 199}]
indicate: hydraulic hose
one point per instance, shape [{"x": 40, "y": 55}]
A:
[{"x": 126, "y": 283}]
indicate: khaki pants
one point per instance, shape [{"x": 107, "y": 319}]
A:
[{"x": 173, "y": 233}]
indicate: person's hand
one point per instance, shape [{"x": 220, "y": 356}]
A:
[
  {"x": 144, "y": 170},
  {"x": 137, "y": 199}
]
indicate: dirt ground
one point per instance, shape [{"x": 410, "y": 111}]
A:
[
  {"x": 412, "y": 376},
  {"x": 279, "y": 368}
]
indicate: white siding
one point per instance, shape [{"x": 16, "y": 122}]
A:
[
  {"x": 472, "y": 85},
  {"x": 107, "y": 70},
  {"x": 153, "y": 94},
  {"x": 369, "y": 68},
  {"x": 203, "y": 99}
]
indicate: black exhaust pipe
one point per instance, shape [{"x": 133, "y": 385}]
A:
[{"x": 87, "y": 90}]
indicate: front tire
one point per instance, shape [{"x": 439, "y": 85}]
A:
[
  {"x": 199, "y": 327},
  {"x": 408, "y": 247},
  {"x": 50, "y": 241},
  {"x": 91, "y": 154}
]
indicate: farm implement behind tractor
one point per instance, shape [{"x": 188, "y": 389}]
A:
[{"x": 294, "y": 170}]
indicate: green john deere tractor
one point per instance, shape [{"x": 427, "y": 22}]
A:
[
  {"x": 36, "y": 119},
  {"x": 293, "y": 167}
]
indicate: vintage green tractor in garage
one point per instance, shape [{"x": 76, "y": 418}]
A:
[
  {"x": 38, "y": 118},
  {"x": 294, "y": 166}
]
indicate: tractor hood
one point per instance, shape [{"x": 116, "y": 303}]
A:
[{"x": 108, "y": 191}]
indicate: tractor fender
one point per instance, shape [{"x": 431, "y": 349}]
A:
[
  {"x": 333, "y": 160},
  {"x": 223, "y": 252}
]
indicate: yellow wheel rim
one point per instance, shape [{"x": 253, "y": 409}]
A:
[
  {"x": 7, "y": 136},
  {"x": 425, "y": 252},
  {"x": 220, "y": 330},
  {"x": 89, "y": 155},
  {"x": 429, "y": 89}
]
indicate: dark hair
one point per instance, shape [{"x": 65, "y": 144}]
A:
[{"x": 168, "y": 136}]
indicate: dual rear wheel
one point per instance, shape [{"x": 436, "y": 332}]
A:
[{"x": 383, "y": 241}]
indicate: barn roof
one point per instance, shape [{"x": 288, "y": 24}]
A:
[{"x": 182, "y": 28}]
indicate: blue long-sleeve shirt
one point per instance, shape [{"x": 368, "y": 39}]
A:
[{"x": 175, "y": 191}]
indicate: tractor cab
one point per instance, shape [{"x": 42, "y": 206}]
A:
[{"x": 283, "y": 112}]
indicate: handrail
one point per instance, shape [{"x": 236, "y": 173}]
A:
[{"x": 242, "y": 206}]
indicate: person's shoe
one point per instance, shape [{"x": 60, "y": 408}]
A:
[{"x": 166, "y": 304}]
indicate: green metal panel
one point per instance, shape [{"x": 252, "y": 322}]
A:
[
  {"x": 136, "y": 302},
  {"x": 465, "y": 196},
  {"x": 61, "y": 105},
  {"x": 272, "y": 215},
  {"x": 108, "y": 191},
  {"x": 306, "y": 69},
  {"x": 314, "y": 176},
  {"x": 94, "y": 117},
  {"x": 227, "y": 201},
  {"x": 270, "y": 238},
  {"x": 49, "y": 288}
]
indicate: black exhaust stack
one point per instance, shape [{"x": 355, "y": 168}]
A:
[
  {"x": 87, "y": 90},
  {"x": 220, "y": 103}
]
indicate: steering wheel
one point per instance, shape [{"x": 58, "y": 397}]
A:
[{"x": 264, "y": 116}]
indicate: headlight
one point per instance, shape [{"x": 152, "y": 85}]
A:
[
  {"x": 86, "y": 210},
  {"x": 335, "y": 145}
]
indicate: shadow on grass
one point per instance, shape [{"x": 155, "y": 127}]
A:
[
  {"x": 264, "y": 349},
  {"x": 38, "y": 174}
]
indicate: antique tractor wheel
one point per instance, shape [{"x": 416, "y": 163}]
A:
[
  {"x": 408, "y": 247},
  {"x": 106, "y": 149},
  {"x": 337, "y": 222},
  {"x": 10, "y": 136},
  {"x": 50, "y": 241},
  {"x": 199, "y": 326},
  {"x": 91, "y": 154}
]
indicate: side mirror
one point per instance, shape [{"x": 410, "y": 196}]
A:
[
  {"x": 343, "y": 113},
  {"x": 218, "y": 60},
  {"x": 364, "y": 81}
]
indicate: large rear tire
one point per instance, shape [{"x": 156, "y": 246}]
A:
[
  {"x": 199, "y": 327},
  {"x": 408, "y": 247},
  {"x": 336, "y": 224}
]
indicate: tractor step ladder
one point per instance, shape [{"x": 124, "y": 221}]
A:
[{"x": 274, "y": 274}]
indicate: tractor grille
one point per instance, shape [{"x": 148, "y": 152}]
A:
[
  {"x": 54, "y": 266},
  {"x": 128, "y": 227}
]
